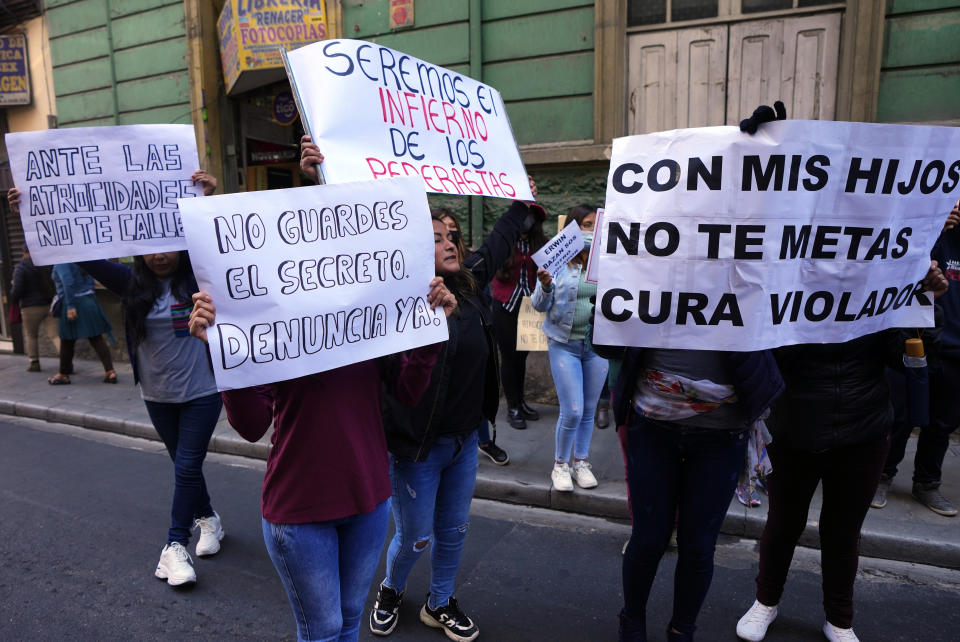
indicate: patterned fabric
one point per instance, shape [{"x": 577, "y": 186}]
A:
[
  {"x": 583, "y": 307},
  {"x": 522, "y": 288},
  {"x": 180, "y": 316},
  {"x": 669, "y": 397}
]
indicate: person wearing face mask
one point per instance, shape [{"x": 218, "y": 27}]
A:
[
  {"x": 578, "y": 372},
  {"x": 176, "y": 383}
]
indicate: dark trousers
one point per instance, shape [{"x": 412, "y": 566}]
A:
[
  {"x": 674, "y": 475},
  {"x": 99, "y": 345},
  {"x": 935, "y": 437},
  {"x": 513, "y": 363},
  {"x": 185, "y": 429},
  {"x": 849, "y": 475}
]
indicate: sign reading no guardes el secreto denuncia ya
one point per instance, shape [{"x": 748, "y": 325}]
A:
[
  {"x": 377, "y": 113},
  {"x": 807, "y": 232},
  {"x": 313, "y": 278}
]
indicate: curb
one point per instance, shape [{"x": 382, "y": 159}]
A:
[{"x": 527, "y": 488}]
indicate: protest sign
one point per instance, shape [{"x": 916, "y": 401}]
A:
[
  {"x": 559, "y": 250},
  {"x": 593, "y": 270},
  {"x": 313, "y": 278},
  {"x": 376, "y": 113},
  {"x": 101, "y": 192},
  {"x": 530, "y": 336},
  {"x": 807, "y": 232}
]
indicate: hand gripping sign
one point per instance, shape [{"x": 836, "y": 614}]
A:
[
  {"x": 807, "y": 232},
  {"x": 377, "y": 113}
]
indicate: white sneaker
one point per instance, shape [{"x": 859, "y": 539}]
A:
[
  {"x": 211, "y": 532},
  {"x": 175, "y": 565},
  {"x": 561, "y": 477},
  {"x": 753, "y": 625},
  {"x": 836, "y": 634},
  {"x": 581, "y": 473}
]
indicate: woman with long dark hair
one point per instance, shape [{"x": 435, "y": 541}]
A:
[
  {"x": 578, "y": 371},
  {"x": 176, "y": 383},
  {"x": 516, "y": 278},
  {"x": 434, "y": 445}
]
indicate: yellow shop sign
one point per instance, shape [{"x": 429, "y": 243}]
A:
[{"x": 252, "y": 33}]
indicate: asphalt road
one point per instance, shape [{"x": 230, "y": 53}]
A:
[{"x": 83, "y": 516}]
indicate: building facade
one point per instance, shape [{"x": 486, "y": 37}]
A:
[{"x": 574, "y": 74}]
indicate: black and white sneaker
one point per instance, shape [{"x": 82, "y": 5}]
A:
[
  {"x": 451, "y": 619},
  {"x": 384, "y": 616}
]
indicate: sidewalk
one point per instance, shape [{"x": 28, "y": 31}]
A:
[{"x": 904, "y": 530}]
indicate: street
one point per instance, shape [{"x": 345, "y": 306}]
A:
[{"x": 85, "y": 514}]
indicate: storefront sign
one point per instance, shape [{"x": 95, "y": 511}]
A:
[
  {"x": 284, "y": 108},
  {"x": 14, "y": 73},
  {"x": 253, "y": 32},
  {"x": 401, "y": 13}
]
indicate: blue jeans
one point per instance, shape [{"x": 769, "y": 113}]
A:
[
  {"x": 326, "y": 569},
  {"x": 579, "y": 375},
  {"x": 185, "y": 429},
  {"x": 483, "y": 432},
  {"x": 680, "y": 476},
  {"x": 431, "y": 502}
]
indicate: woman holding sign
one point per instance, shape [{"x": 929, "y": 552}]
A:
[
  {"x": 176, "y": 383},
  {"x": 577, "y": 370}
]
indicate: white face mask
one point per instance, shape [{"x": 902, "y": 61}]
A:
[{"x": 587, "y": 239}]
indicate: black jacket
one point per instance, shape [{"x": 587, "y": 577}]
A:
[
  {"x": 836, "y": 393},
  {"x": 31, "y": 285},
  {"x": 411, "y": 432}
]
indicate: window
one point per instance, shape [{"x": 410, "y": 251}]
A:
[{"x": 655, "y": 12}]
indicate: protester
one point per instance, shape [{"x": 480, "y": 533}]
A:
[
  {"x": 683, "y": 418},
  {"x": 515, "y": 279},
  {"x": 434, "y": 445},
  {"x": 578, "y": 372},
  {"x": 326, "y": 490},
  {"x": 944, "y": 370},
  {"x": 831, "y": 428},
  {"x": 486, "y": 442},
  {"x": 31, "y": 290}
]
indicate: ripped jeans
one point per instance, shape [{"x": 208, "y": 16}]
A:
[{"x": 431, "y": 504}]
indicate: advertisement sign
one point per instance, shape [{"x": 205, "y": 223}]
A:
[
  {"x": 253, "y": 32},
  {"x": 807, "y": 232},
  {"x": 14, "y": 73}
]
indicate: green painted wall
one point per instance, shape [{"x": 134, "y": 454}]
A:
[
  {"x": 537, "y": 53},
  {"x": 920, "y": 72},
  {"x": 119, "y": 62}
]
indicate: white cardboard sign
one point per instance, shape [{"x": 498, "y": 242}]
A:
[
  {"x": 376, "y": 113},
  {"x": 807, "y": 232},
  {"x": 102, "y": 192},
  {"x": 559, "y": 250},
  {"x": 593, "y": 267},
  {"x": 313, "y": 278}
]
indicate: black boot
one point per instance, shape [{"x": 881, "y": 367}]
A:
[
  {"x": 602, "y": 418},
  {"x": 527, "y": 412},
  {"x": 515, "y": 418}
]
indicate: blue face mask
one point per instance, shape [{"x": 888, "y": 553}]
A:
[{"x": 587, "y": 239}]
